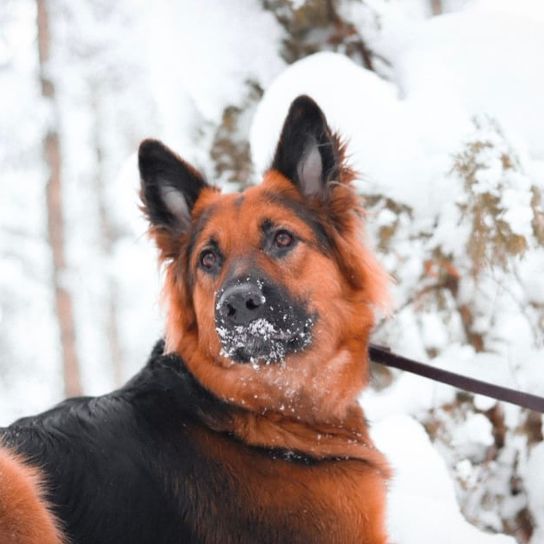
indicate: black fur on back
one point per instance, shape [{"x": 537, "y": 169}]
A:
[{"x": 123, "y": 468}]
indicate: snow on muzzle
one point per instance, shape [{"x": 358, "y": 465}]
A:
[{"x": 258, "y": 322}]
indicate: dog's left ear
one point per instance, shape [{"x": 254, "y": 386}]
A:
[{"x": 307, "y": 151}]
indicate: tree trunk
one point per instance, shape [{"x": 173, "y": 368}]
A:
[
  {"x": 55, "y": 219},
  {"x": 107, "y": 242},
  {"x": 436, "y": 7}
]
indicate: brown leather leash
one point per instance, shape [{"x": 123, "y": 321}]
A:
[{"x": 385, "y": 356}]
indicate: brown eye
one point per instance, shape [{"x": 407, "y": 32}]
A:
[
  {"x": 283, "y": 239},
  {"x": 208, "y": 259}
]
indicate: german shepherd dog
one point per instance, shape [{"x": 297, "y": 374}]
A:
[{"x": 244, "y": 426}]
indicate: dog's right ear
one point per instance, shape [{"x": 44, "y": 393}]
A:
[{"x": 170, "y": 187}]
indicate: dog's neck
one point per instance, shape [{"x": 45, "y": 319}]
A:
[
  {"x": 321, "y": 428},
  {"x": 317, "y": 441}
]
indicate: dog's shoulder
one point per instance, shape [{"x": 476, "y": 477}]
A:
[
  {"x": 127, "y": 415},
  {"x": 117, "y": 453}
]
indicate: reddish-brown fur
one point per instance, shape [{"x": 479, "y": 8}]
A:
[
  {"x": 320, "y": 384},
  {"x": 24, "y": 516},
  {"x": 309, "y": 403},
  {"x": 344, "y": 502}
]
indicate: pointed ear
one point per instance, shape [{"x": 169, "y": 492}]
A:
[
  {"x": 170, "y": 187},
  {"x": 307, "y": 152}
]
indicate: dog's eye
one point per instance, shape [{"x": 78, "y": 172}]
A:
[
  {"x": 209, "y": 259},
  {"x": 283, "y": 239}
]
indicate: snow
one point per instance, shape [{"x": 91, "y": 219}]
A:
[
  {"x": 445, "y": 133},
  {"x": 446, "y": 74},
  {"x": 256, "y": 331},
  {"x": 363, "y": 105},
  {"x": 535, "y": 480},
  {"x": 422, "y": 489},
  {"x": 275, "y": 337},
  {"x": 220, "y": 50}
]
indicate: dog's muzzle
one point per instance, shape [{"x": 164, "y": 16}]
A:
[{"x": 258, "y": 322}]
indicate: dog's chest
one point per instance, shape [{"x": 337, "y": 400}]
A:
[{"x": 247, "y": 495}]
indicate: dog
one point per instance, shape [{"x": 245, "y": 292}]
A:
[{"x": 244, "y": 425}]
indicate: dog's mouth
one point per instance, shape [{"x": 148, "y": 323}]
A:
[
  {"x": 259, "y": 322},
  {"x": 262, "y": 341}
]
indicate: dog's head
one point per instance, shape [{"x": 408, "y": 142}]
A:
[{"x": 270, "y": 292}]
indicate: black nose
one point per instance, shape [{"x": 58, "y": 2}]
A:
[{"x": 240, "y": 304}]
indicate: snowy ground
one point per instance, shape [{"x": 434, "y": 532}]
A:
[{"x": 422, "y": 503}]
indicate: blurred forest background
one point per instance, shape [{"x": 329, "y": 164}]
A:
[{"x": 443, "y": 104}]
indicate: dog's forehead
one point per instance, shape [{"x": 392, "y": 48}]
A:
[{"x": 240, "y": 215}]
